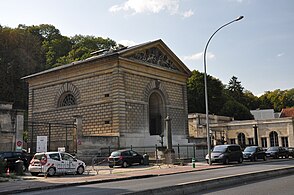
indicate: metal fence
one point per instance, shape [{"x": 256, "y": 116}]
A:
[
  {"x": 183, "y": 153},
  {"x": 58, "y": 135}
]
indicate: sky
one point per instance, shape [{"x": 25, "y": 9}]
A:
[{"x": 258, "y": 49}]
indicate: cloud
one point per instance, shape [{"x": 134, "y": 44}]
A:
[
  {"x": 280, "y": 54},
  {"x": 199, "y": 56},
  {"x": 151, "y": 6},
  {"x": 188, "y": 14},
  {"x": 127, "y": 42}
]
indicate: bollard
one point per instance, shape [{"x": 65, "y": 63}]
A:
[{"x": 193, "y": 162}]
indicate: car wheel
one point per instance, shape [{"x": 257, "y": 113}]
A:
[
  {"x": 142, "y": 162},
  {"x": 51, "y": 171},
  {"x": 240, "y": 160},
  {"x": 255, "y": 158},
  {"x": 287, "y": 156},
  {"x": 124, "y": 164},
  {"x": 34, "y": 173},
  {"x": 24, "y": 168},
  {"x": 226, "y": 161},
  {"x": 111, "y": 166},
  {"x": 80, "y": 170}
]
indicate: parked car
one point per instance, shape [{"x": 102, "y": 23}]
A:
[
  {"x": 253, "y": 153},
  {"x": 226, "y": 153},
  {"x": 277, "y": 152},
  {"x": 124, "y": 158},
  {"x": 291, "y": 152},
  {"x": 55, "y": 162},
  {"x": 11, "y": 157}
]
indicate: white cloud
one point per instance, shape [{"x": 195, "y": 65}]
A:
[
  {"x": 188, "y": 14},
  {"x": 199, "y": 56},
  {"x": 280, "y": 54},
  {"x": 151, "y": 6},
  {"x": 127, "y": 42}
]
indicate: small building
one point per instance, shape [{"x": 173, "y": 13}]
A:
[
  {"x": 118, "y": 97},
  {"x": 11, "y": 127},
  {"x": 265, "y": 133}
]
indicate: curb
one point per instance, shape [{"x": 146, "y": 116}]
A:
[{"x": 202, "y": 185}]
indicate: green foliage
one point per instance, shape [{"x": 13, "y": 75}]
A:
[
  {"x": 29, "y": 49},
  {"x": 277, "y": 99},
  {"x": 19, "y": 56},
  {"x": 235, "y": 89},
  {"x": 196, "y": 96},
  {"x": 237, "y": 110}
]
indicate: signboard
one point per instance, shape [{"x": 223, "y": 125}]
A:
[
  {"x": 18, "y": 145},
  {"x": 61, "y": 149},
  {"x": 41, "y": 144}
]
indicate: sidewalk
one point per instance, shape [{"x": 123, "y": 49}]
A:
[{"x": 31, "y": 183}]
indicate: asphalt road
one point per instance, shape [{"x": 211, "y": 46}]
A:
[
  {"x": 127, "y": 186},
  {"x": 279, "y": 185}
]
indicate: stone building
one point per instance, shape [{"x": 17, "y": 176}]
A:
[
  {"x": 119, "y": 98},
  {"x": 11, "y": 127},
  {"x": 265, "y": 133}
]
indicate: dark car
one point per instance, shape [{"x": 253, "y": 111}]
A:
[
  {"x": 277, "y": 152},
  {"x": 124, "y": 158},
  {"x": 253, "y": 153},
  {"x": 226, "y": 153},
  {"x": 11, "y": 157},
  {"x": 291, "y": 152}
]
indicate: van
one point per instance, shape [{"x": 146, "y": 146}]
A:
[{"x": 226, "y": 154}]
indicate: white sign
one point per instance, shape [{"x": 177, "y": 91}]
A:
[
  {"x": 41, "y": 143},
  {"x": 61, "y": 149}
]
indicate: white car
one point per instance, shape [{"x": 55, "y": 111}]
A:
[{"x": 52, "y": 163}]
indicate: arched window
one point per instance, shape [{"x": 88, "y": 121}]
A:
[
  {"x": 67, "y": 99},
  {"x": 241, "y": 139},
  {"x": 155, "y": 114},
  {"x": 274, "y": 139}
]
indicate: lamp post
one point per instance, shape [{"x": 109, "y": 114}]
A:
[{"x": 205, "y": 86}]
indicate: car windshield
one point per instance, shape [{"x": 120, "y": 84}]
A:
[
  {"x": 250, "y": 149},
  {"x": 273, "y": 149},
  {"x": 116, "y": 153},
  {"x": 219, "y": 148},
  {"x": 38, "y": 156}
]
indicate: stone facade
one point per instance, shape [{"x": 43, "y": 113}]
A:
[
  {"x": 122, "y": 97},
  {"x": 11, "y": 128},
  {"x": 269, "y": 132}
]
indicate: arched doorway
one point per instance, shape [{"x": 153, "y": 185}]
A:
[
  {"x": 241, "y": 140},
  {"x": 274, "y": 139},
  {"x": 156, "y": 114}
]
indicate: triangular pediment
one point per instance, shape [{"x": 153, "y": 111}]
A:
[{"x": 155, "y": 53}]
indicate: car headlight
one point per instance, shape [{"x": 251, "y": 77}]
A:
[{"x": 221, "y": 156}]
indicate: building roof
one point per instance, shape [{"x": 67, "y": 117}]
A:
[
  {"x": 263, "y": 114},
  {"x": 287, "y": 112},
  {"x": 131, "y": 53}
]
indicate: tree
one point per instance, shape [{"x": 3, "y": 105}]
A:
[
  {"x": 235, "y": 89},
  {"x": 277, "y": 99},
  {"x": 196, "y": 97},
  {"x": 237, "y": 110},
  {"x": 19, "y": 56},
  {"x": 83, "y": 46},
  {"x": 250, "y": 101}
]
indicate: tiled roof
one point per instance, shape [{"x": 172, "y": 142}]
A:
[{"x": 287, "y": 112}]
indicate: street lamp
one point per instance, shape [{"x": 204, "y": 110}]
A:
[{"x": 205, "y": 86}]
